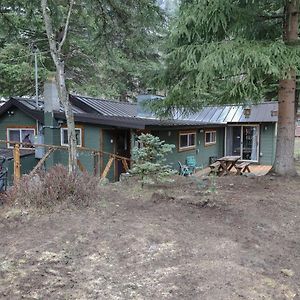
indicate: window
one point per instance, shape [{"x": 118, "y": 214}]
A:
[
  {"x": 187, "y": 140},
  {"x": 21, "y": 135},
  {"x": 210, "y": 137},
  {"x": 64, "y": 136}
]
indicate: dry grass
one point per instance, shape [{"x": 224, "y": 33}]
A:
[{"x": 45, "y": 190}]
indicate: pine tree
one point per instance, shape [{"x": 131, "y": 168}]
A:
[
  {"x": 236, "y": 51},
  {"x": 110, "y": 48},
  {"x": 149, "y": 159}
]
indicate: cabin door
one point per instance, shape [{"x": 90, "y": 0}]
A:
[
  {"x": 243, "y": 141},
  {"x": 122, "y": 148}
]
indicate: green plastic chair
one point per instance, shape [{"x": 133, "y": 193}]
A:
[
  {"x": 191, "y": 163},
  {"x": 184, "y": 170}
]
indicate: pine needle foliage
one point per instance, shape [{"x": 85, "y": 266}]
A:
[
  {"x": 111, "y": 44},
  {"x": 226, "y": 51},
  {"x": 150, "y": 159}
]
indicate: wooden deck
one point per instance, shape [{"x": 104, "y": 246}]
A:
[{"x": 257, "y": 170}]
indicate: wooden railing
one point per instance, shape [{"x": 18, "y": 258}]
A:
[{"x": 51, "y": 148}]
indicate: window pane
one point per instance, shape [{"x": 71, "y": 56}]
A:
[
  {"x": 210, "y": 137},
  {"x": 78, "y": 137},
  {"x": 192, "y": 139},
  {"x": 213, "y": 137},
  {"x": 27, "y": 137},
  {"x": 207, "y": 137},
  {"x": 65, "y": 136},
  {"x": 183, "y": 140},
  {"x": 14, "y": 135}
]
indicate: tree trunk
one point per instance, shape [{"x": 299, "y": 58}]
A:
[
  {"x": 64, "y": 98},
  {"x": 284, "y": 160},
  {"x": 56, "y": 53}
]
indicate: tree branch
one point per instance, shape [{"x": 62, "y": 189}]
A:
[
  {"x": 49, "y": 30},
  {"x": 66, "y": 26},
  {"x": 270, "y": 17}
]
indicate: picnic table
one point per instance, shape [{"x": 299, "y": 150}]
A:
[{"x": 226, "y": 164}]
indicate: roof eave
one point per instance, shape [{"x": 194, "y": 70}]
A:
[{"x": 37, "y": 115}]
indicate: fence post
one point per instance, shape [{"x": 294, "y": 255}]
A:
[{"x": 17, "y": 164}]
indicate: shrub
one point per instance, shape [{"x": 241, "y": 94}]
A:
[
  {"x": 56, "y": 186},
  {"x": 149, "y": 159}
]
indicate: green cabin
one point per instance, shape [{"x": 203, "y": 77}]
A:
[{"x": 113, "y": 127}]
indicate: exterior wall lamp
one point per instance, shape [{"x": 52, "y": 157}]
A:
[
  {"x": 10, "y": 112},
  {"x": 247, "y": 111}
]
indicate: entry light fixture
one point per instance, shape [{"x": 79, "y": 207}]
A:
[
  {"x": 10, "y": 112},
  {"x": 247, "y": 111}
]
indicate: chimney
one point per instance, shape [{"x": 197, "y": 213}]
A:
[
  {"x": 51, "y": 100},
  {"x": 142, "y": 109},
  {"x": 51, "y": 128}
]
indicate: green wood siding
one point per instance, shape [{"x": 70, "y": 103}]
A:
[
  {"x": 202, "y": 153},
  {"x": 267, "y": 143},
  {"x": 103, "y": 138},
  {"x": 18, "y": 119}
]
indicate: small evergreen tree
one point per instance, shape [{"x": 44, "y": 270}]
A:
[{"x": 149, "y": 159}]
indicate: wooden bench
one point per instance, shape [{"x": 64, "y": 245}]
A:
[
  {"x": 215, "y": 167},
  {"x": 242, "y": 167}
]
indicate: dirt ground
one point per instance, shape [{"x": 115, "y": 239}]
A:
[{"x": 237, "y": 238}]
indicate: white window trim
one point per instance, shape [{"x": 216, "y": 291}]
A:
[
  {"x": 62, "y": 136},
  {"x": 187, "y": 147},
  {"x": 210, "y": 143},
  {"x": 20, "y": 142}
]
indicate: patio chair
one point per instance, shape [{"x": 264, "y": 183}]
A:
[
  {"x": 184, "y": 170},
  {"x": 191, "y": 163}
]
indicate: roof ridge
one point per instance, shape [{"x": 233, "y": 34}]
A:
[
  {"x": 101, "y": 99},
  {"x": 240, "y": 104}
]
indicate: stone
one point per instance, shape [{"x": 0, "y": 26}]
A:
[{"x": 288, "y": 272}]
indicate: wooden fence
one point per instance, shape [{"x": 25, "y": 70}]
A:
[{"x": 51, "y": 148}]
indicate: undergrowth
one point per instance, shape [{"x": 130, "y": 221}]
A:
[{"x": 45, "y": 190}]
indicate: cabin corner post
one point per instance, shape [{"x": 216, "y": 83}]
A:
[{"x": 17, "y": 163}]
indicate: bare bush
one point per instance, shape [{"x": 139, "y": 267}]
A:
[{"x": 56, "y": 186}]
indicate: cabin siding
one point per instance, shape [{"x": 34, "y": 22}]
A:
[
  {"x": 103, "y": 138},
  {"x": 201, "y": 152},
  {"x": 267, "y": 143},
  {"x": 18, "y": 119}
]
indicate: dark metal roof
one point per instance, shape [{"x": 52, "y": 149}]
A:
[
  {"x": 105, "y": 107},
  {"x": 121, "y": 114},
  {"x": 262, "y": 112},
  {"x": 14, "y": 102},
  {"x": 31, "y": 104},
  {"x": 129, "y": 122}
]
